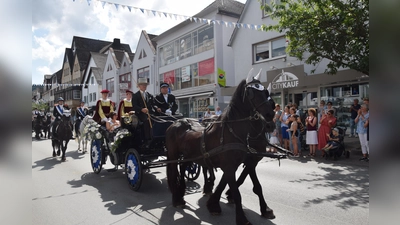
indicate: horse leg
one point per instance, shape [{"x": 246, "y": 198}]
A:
[
  {"x": 239, "y": 182},
  {"x": 208, "y": 181},
  {"x": 54, "y": 143},
  {"x": 240, "y": 217},
  {"x": 79, "y": 141},
  {"x": 257, "y": 189},
  {"x": 64, "y": 145},
  {"x": 213, "y": 202},
  {"x": 174, "y": 183}
]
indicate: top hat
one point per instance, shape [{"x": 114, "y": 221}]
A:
[
  {"x": 105, "y": 91},
  {"x": 163, "y": 84},
  {"x": 142, "y": 80},
  {"x": 129, "y": 91},
  {"x": 60, "y": 99}
]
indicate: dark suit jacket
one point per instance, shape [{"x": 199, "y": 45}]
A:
[
  {"x": 138, "y": 105},
  {"x": 160, "y": 103}
]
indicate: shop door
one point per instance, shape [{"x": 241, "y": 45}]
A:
[{"x": 304, "y": 101}]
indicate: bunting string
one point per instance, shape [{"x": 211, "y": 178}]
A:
[{"x": 154, "y": 13}]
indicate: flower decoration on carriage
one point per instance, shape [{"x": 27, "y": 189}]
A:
[
  {"x": 92, "y": 129},
  {"x": 118, "y": 138}
]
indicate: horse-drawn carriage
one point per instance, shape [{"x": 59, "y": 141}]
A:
[
  {"x": 126, "y": 147},
  {"x": 236, "y": 137}
]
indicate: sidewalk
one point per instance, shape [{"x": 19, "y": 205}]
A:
[{"x": 353, "y": 144}]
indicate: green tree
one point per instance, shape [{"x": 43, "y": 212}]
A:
[
  {"x": 40, "y": 106},
  {"x": 337, "y": 30}
]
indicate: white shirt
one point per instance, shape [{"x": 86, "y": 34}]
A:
[{"x": 166, "y": 98}]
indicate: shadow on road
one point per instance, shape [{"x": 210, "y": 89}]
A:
[
  {"x": 350, "y": 185},
  {"x": 119, "y": 199}
]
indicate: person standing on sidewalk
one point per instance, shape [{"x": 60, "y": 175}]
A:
[
  {"x": 354, "y": 112},
  {"x": 362, "y": 121}
]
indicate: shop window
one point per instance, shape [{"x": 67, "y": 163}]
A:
[{"x": 76, "y": 94}]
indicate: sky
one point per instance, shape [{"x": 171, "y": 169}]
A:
[{"x": 55, "y": 22}]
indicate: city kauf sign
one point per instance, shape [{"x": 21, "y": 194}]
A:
[{"x": 285, "y": 80}]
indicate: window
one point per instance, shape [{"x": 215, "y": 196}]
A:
[
  {"x": 270, "y": 49},
  {"x": 110, "y": 85},
  {"x": 268, "y": 2},
  {"x": 94, "y": 96},
  {"x": 76, "y": 94},
  {"x": 85, "y": 99},
  {"x": 92, "y": 80},
  {"x": 90, "y": 97},
  {"x": 189, "y": 44},
  {"x": 144, "y": 73}
]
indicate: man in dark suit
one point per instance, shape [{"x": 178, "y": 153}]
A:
[
  {"x": 165, "y": 103},
  {"x": 143, "y": 105}
]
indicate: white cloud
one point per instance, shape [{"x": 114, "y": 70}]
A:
[{"x": 44, "y": 70}]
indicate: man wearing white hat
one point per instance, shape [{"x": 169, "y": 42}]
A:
[{"x": 143, "y": 105}]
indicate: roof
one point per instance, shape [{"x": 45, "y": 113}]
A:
[
  {"x": 99, "y": 60},
  {"x": 230, "y": 8},
  {"x": 239, "y": 21},
  {"x": 116, "y": 45},
  {"x": 88, "y": 44},
  {"x": 149, "y": 38}
]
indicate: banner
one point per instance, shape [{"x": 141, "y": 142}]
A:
[
  {"x": 152, "y": 12},
  {"x": 206, "y": 67},
  {"x": 221, "y": 77},
  {"x": 185, "y": 73},
  {"x": 169, "y": 77}
]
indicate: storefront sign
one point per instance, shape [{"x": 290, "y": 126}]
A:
[
  {"x": 185, "y": 73},
  {"x": 206, "y": 67},
  {"x": 285, "y": 78},
  {"x": 169, "y": 77}
]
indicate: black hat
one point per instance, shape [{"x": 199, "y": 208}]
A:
[
  {"x": 82, "y": 101},
  {"x": 60, "y": 99},
  {"x": 163, "y": 84}
]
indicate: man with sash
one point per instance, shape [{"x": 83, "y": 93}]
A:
[
  {"x": 143, "y": 105},
  {"x": 81, "y": 112},
  {"x": 165, "y": 103},
  {"x": 103, "y": 107},
  {"x": 58, "y": 112},
  {"x": 125, "y": 106}
]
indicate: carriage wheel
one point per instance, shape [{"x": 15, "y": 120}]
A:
[
  {"x": 133, "y": 169},
  {"x": 192, "y": 171},
  {"x": 96, "y": 156}
]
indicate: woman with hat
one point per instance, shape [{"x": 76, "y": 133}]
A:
[
  {"x": 165, "y": 101},
  {"x": 125, "y": 106},
  {"x": 103, "y": 107}
]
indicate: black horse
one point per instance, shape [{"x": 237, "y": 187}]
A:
[
  {"x": 62, "y": 135},
  {"x": 38, "y": 125},
  {"x": 225, "y": 144},
  {"x": 46, "y": 126}
]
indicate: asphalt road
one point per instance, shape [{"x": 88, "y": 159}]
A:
[{"x": 300, "y": 191}]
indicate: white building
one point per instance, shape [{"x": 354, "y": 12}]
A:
[
  {"x": 291, "y": 79},
  {"x": 144, "y": 63},
  {"x": 192, "y": 54},
  {"x": 93, "y": 78}
]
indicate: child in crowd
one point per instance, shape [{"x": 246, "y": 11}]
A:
[{"x": 333, "y": 140}]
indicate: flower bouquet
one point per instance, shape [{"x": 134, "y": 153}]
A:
[
  {"x": 92, "y": 130},
  {"x": 118, "y": 138}
]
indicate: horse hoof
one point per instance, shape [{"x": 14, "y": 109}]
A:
[
  {"x": 63, "y": 159},
  {"x": 269, "y": 214},
  {"x": 58, "y": 153},
  {"x": 54, "y": 155},
  {"x": 231, "y": 201}
]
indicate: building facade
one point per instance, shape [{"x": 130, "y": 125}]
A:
[
  {"x": 291, "y": 79},
  {"x": 191, "y": 55}
]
